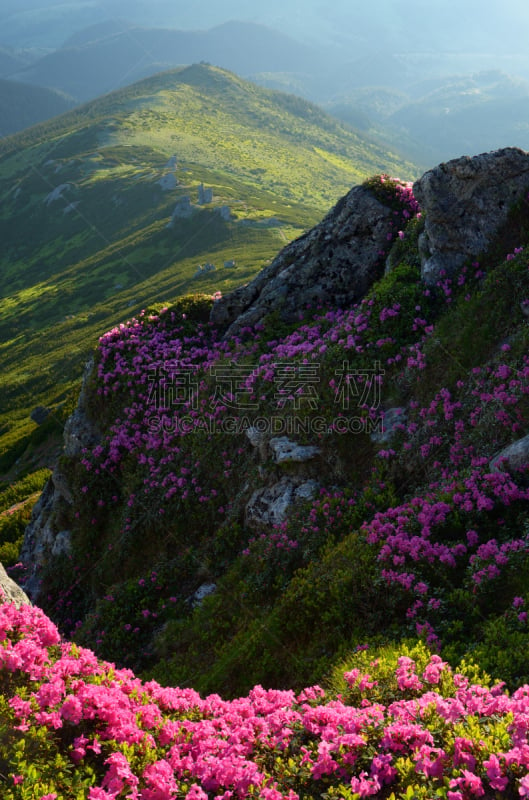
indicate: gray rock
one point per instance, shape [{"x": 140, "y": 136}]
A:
[
  {"x": 466, "y": 201},
  {"x": 182, "y": 210},
  {"x": 336, "y": 262},
  {"x": 80, "y": 431},
  {"x": 44, "y": 537},
  {"x": 270, "y": 506},
  {"x": 42, "y": 540},
  {"x": 61, "y": 485},
  {"x": 512, "y": 458},
  {"x": 392, "y": 420},
  {"x": 259, "y": 440},
  {"x": 57, "y": 193},
  {"x": 203, "y": 591},
  {"x": 10, "y": 592},
  {"x": 168, "y": 182},
  {"x": 285, "y": 451},
  {"x": 205, "y": 195}
]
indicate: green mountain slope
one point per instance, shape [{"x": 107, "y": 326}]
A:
[
  {"x": 86, "y": 200},
  {"x": 188, "y": 559}
]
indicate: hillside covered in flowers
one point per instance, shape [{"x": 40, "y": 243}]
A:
[
  {"x": 338, "y": 500},
  {"x": 75, "y": 727}
]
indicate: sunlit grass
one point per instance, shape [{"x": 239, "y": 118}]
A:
[{"x": 72, "y": 268}]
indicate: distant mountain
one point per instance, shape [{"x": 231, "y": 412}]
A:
[
  {"x": 22, "y": 105},
  {"x": 100, "y": 213},
  {"x": 111, "y": 55},
  {"x": 436, "y": 119},
  {"x": 448, "y": 28},
  {"x": 468, "y": 114},
  {"x": 10, "y": 62}
]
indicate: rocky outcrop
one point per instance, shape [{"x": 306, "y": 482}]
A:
[
  {"x": 286, "y": 451},
  {"x": 270, "y": 506},
  {"x": 334, "y": 263},
  {"x": 513, "y": 458},
  {"x": 45, "y": 538},
  {"x": 10, "y": 592},
  {"x": 465, "y": 202},
  {"x": 393, "y": 421},
  {"x": 80, "y": 431},
  {"x": 40, "y": 414}
]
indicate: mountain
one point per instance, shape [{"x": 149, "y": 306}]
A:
[
  {"x": 10, "y": 62},
  {"x": 301, "y": 513},
  {"x": 22, "y": 105},
  {"x": 100, "y": 214},
  {"x": 105, "y": 57},
  {"x": 449, "y": 29},
  {"x": 480, "y": 111},
  {"x": 257, "y": 488},
  {"x": 436, "y": 118}
]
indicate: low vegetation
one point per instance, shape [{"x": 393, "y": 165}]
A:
[
  {"x": 83, "y": 218},
  {"x": 386, "y": 617}
]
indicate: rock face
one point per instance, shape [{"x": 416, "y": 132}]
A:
[
  {"x": 44, "y": 537},
  {"x": 287, "y": 452},
  {"x": 394, "y": 420},
  {"x": 270, "y": 506},
  {"x": 465, "y": 202},
  {"x": 10, "y": 592},
  {"x": 336, "y": 263},
  {"x": 513, "y": 458}
]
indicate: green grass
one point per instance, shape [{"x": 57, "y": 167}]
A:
[{"x": 72, "y": 268}]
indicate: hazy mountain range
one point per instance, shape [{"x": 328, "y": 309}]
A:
[
  {"x": 433, "y": 86},
  {"x": 108, "y": 56}
]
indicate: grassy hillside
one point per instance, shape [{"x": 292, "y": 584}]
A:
[
  {"x": 84, "y": 217},
  {"x": 410, "y": 536}
]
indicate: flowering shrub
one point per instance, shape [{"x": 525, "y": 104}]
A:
[
  {"x": 405, "y": 725},
  {"x": 412, "y": 532}
]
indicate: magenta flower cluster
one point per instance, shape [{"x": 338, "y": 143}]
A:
[{"x": 154, "y": 743}]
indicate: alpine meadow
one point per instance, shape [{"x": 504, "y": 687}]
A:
[{"x": 264, "y": 431}]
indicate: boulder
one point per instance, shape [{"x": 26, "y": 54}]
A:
[
  {"x": 270, "y": 506},
  {"x": 259, "y": 440},
  {"x": 466, "y": 201},
  {"x": 168, "y": 182},
  {"x": 44, "y": 537},
  {"x": 334, "y": 263},
  {"x": 80, "y": 431},
  {"x": 513, "y": 458},
  {"x": 42, "y": 541},
  {"x": 394, "y": 420},
  {"x": 40, "y": 414},
  {"x": 10, "y": 592},
  {"x": 286, "y": 451},
  {"x": 203, "y": 591}
]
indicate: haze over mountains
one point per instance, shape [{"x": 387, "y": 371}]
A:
[{"x": 435, "y": 84}]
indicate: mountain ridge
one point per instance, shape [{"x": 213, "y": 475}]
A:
[
  {"x": 98, "y": 66},
  {"x": 99, "y": 186}
]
